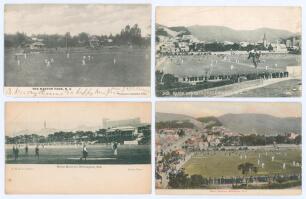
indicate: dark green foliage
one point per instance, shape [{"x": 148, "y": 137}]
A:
[
  {"x": 179, "y": 180},
  {"x": 130, "y": 35},
  {"x": 162, "y": 32},
  {"x": 197, "y": 181},
  {"x": 181, "y": 29},
  {"x": 68, "y": 136},
  {"x": 247, "y": 168},
  {"x": 210, "y": 119},
  {"x": 174, "y": 124}
]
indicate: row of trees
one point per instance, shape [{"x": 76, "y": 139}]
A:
[
  {"x": 181, "y": 180},
  {"x": 60, "y": 136},
  {"x": 130, "y": 35},
  {"x": 258, "y": 140},
  {"x": 78, "y": 136},
  {"x": 220, "y": 47}
]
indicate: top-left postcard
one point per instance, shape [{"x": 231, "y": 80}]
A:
[{"x": 77, "y": 50}]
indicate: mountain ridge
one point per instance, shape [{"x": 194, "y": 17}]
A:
[
  {"x": 246, "y": 123},
  {"x": 210, "y": 33}
]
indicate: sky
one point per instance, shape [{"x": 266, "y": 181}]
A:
[
  {"x": 203, "y": 109},
  {"x": 239, "y": 18},
  {"x": 95, "y": 19},
  {"x": 70, "y": 115}
]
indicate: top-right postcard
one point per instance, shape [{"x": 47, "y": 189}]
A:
[{"x": 228, "y": 51}]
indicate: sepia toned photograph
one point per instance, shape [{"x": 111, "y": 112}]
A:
[
  {"x": 228, "y": 51},
  {"x": 110, "y": 139},
  {"x": 228, "y": 148},
  {"x": 63, "y": 47}
]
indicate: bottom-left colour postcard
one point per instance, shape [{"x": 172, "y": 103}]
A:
[{"x": 78, "y": 148}]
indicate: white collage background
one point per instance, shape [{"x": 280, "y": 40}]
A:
[{"x": 153, "y": 99}]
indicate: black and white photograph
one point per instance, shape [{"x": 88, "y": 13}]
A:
[
  {"x": 228, "y": 51},
  {"x": 75, "y": 46}
]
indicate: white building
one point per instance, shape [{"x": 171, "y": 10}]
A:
[
  {"x": 244, "y": 43},
  {"x": 279, "y": 48},
  {"x": 37, "y": 45}
]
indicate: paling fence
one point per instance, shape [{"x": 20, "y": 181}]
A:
[{"x": 253, "y": 179}]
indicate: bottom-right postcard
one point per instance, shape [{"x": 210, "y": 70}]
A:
[{"x": 228, "y": 148}]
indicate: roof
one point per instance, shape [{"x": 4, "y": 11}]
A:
[
  {"x": 278, "y": 45},
  {"x": 123, "y": 128}
]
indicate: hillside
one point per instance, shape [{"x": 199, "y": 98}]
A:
[
  {"x": 243, "y": 123},
  {"x": 164, "y": 117},
  {"x": 165, "y": 31},
  {"x": 221, "y": 33},
  {"x": 260, "y": 123},
  {"x": 208, "y": 119}
]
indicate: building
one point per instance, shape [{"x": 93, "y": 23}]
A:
[
  {"x": 244, "y": 44},
  {"x": 264, "y": 41},
  {"x": 184, "y": 46},
  {"x": 292, "y": 135},
  {"x": 94, "y": 42},
  {"x": 228, "y": 43},
  {"x": 293, "y": 41},
  {"x": 278, "y": 48},
  {"x": 288, "y": 43},
  {"x": 37, "y": 45},
  {"x": 168, "y": 47},
  {"x": 35, "y": 39},
  {"x": 145, "y": 130},
  {"x": 192, "y": 80},
  {"x": 118, "y": 134},
  {"x": 187, "y": 37}
]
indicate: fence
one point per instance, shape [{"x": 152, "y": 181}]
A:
[
  {"x": 222, "y": 90},
  {"x": 252, "y": 179}
]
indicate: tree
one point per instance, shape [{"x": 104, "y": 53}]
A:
[
  {"x": 179, "y": 179},
  {"x": 67, "y": 38},
  {"x": 83, "y": 38},
  {"x": 196, "y": 181},
  {"x": 247, "y": 168},
  {"x": 21, "y": 38},
  {"x": 181, "y": 132},
  {"x": 169, "y": 79},
  {"x": 298, "y": 139},
  {"x": 16, "y": 40}
]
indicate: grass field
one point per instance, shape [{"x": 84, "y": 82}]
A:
[
  {"x": 198, "y": 66},
  {"x": 131, "y": 68},
  {"x": 221, "y": 164},
  {"x": 97, "y": 154},
  {"x": 288, "y": 88}
]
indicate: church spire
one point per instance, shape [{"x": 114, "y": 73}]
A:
[
  {"x": 265, "y": 43},
  {"x": 264, "y": 38}
]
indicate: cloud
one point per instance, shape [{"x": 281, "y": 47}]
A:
[{"x": 59, "y": 19}]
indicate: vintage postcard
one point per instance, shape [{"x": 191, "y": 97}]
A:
[
  {"x": 228, "y": 148},
  {"x": 77, "y": 50},
  {"x": 77, "y": 148},
  {"x": 228, "y": 51}
]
